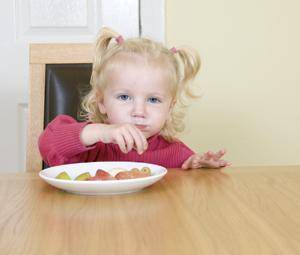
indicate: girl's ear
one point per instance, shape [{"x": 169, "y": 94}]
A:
[
  {"x": 173, "y": 104},
  {"x": 102, "y": 108},
  {"x": 171, "y": 107}
]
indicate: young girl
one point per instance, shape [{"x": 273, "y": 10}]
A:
[{"x": 137, "y": 88}]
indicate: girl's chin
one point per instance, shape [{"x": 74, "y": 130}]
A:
[{"x": 147, "y": 134}]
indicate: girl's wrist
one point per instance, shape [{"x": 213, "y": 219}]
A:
[
  {"x": 101, "y": 132},
  {"x": 91, "y": 134}
]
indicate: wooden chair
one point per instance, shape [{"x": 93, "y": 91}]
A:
[{"x": 46, "y": 60}]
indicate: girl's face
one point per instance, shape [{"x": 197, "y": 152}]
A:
[{"x": 139, "y": 94}]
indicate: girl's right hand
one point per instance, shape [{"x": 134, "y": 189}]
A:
[{"x": 127, "y": 136}]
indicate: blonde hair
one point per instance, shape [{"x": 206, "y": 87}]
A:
[{"x": 183, "y": 65}]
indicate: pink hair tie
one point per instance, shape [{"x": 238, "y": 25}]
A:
[
  {"x": 173, "y": 50},
  {"x": 120, "y": 39}
]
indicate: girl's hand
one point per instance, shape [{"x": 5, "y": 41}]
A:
[
  {"x": 127, "y": 136},
  {"x": 207, "y": 160}
]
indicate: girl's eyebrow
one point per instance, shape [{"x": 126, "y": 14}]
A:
[
  {"x": 127, "y": 91},
  {"x": 121, "y": 90},
  {"x": 157, "y": 94}
]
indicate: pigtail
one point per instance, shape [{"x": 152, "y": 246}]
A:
[
  {"x": 102, "y": 43},
  {"x": 187, "y": 65},
  {"x": 89, "y": 103},
  {"x": 190, "y": 67}
]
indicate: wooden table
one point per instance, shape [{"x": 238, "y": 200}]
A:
[{"x": 249, "y": 210}]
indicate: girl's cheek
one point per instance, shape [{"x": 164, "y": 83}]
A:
[
  {"x": 160, "y": 118},
  {"x": 119, "y": 116}
]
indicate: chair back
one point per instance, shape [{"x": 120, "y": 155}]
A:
[{"x": 59, "y": 78}]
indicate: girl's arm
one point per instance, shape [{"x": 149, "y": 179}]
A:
[
  {"x": 60, "y": 142},
  {"x": 67, "y": 141}
]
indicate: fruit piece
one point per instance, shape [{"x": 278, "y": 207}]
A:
[
  {"x": 136, "y": 173},
  {"x": 146, "y": 170},
  {"x": 123, "y": 175},
  {"x": 135, "y": 170},
  {"x": 94, "y": 178},
  {"x": 83, "y": 177},
  {"x": 63, "y": 176},
  {"x": 116, "y": 170},
  {"x": 132, "y": 174},
  {"x": 139, "y": 174},
  {"x": 103, "y": 175}
]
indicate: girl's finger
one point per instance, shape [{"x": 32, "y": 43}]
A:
[
  {"x": 209, "y": 164},
  {"x": 208, "y": 155},
  {"x": 143, "y": 138},
  {"x": 128, "y": 140},
  {"x": 121, "y": 142},
  {"x": 222, "y": 163},
  {"x": 219, "y": 154},
  {"x": 138, "y": 141}
]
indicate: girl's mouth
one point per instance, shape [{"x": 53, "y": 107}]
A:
[{"x": 141, "y": 127}]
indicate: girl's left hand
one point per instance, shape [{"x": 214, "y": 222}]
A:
[{"x": 207, "y": 160}]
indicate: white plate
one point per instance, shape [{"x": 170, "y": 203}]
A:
[{"x": 109, "y": 187}]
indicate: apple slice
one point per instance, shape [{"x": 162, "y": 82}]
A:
[{"x": 83, "y": 177}]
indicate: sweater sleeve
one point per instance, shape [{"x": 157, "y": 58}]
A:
[
  {"x": 177, "y": 153},
  {"x": 164, "y": 153},
  {"x": 60, "y": 142}
]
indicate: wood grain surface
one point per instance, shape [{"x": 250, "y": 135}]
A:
[{"x": 247, "y": 210}]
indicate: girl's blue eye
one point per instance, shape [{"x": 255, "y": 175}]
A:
[
  {"x": 123, "y": 97},
  {"x": 154, "y": 100}
]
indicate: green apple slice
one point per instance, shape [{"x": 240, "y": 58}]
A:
[
  {"x": 83, "y": 177},
  {"x": 63, "y": 176}
]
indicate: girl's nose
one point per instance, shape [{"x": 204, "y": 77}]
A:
[{"x": 138, "y": 109}]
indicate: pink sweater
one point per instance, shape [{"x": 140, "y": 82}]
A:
[{"x": 60, "y": 144}]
